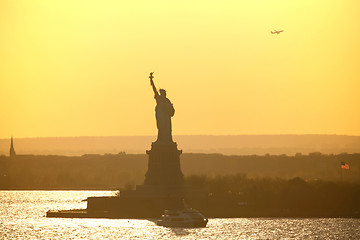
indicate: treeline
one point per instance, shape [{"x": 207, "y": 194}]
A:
[
  {"x": 313, "y": 166},
  {"x": 237, "y": 195},
  {"x": 115, "y": 171},
  {"x": 61, "y": 172}
]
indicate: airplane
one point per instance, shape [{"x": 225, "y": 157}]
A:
[{"x": 276, "y": 32}]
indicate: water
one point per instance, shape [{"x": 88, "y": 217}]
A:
[{"x": 22, "y": 216}]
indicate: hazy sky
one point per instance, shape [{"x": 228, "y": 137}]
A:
[{"x": 80, "y": 68}]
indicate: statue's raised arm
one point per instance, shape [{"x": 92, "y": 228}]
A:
[
  {"x": 152, "y": 84},
  {"x": 164, "y": 110}
]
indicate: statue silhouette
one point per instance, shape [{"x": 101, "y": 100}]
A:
[{"x": 164, "y": 110}]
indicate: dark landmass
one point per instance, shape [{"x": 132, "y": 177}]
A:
[
  {"x": 239, "y": 196},
  {"x": 228, "y": 145},
  {"x": 312, "y": 185},
  {"x": 119, "y": 171}
]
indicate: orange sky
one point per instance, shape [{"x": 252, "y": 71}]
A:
[{"x": 80, "y": 68}]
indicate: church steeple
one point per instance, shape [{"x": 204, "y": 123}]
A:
[{"x": 12, "y": 150}]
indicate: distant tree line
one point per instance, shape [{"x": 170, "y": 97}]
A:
[
  {"x": 115, "y": 171},
  {"x": 269, "y": 197}
]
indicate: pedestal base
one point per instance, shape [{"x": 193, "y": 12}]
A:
[{"x": 164, "y": 166}]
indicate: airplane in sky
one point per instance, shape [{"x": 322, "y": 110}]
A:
[{"x": 276, "y": 32}]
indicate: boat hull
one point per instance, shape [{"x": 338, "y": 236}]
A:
[{"x": 193, "y": 224}]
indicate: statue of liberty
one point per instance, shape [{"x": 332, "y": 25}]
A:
[{"x": 164, "y": 110}]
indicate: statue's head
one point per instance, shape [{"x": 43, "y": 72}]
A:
[{"x": 162, "y": 92}]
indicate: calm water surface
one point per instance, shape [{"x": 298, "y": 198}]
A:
[{"x": 22, "y": 216}]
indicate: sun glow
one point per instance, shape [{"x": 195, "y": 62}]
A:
[{"x": 75, "y": 68}]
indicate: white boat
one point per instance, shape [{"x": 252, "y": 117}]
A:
[{"x": 182, "y": 218}]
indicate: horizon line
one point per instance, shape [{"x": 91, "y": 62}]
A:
[{"x": 208, "y": 135}]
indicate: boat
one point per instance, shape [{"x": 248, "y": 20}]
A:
[{"x": 182, "y": 218}]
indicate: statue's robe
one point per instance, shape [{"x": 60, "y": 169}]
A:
[{"x": 164, "y": 111}]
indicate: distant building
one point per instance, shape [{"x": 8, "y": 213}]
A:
[{"x": 12, "y": 150}]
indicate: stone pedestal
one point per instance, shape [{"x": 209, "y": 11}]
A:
[
  {"x": 163, "y": 187},
  {"x": 164, "y": 166},
  {"x": 164, "y": 178}
]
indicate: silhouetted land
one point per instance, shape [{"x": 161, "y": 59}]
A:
[
  {"x": 115, "y": 171},
  {"x": 238, "y": 196},
  {"x": 311, "y": 185}
]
